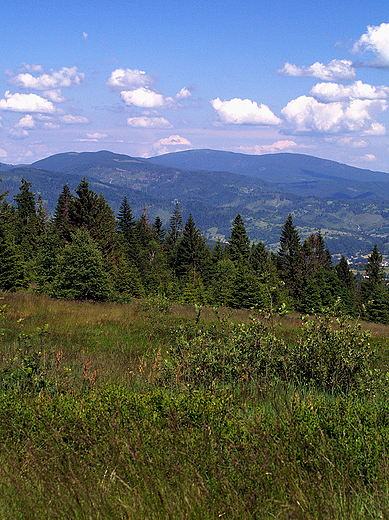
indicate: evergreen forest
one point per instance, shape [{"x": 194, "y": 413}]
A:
[{"x": 86, "y": 252}]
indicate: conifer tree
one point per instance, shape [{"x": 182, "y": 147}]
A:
[
  {"x": 27, "y": 232},
  {"x": 192, "y": 252},
  {"x": 127, "y": 232},
  {"x": 239, "y": 243},
  {"x": 346, "y": 286},
  {"x": 62, "y": 213},
  {"x": 175, "y": 228},
  {"x": 81, "y": 273},
  {"x": 289, "y": 257},
  {"x": 159, "y": 230},
  {"x": 373, "y": 292}
]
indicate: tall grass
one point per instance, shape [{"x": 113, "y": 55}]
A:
[{"x": 122, "y": 445}]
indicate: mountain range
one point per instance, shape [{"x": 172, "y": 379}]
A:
[{"x": 350, "y": 205}]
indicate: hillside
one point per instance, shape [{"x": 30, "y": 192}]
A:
[{"x": 352, "y": 219}]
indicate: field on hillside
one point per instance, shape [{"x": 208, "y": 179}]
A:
[{"x": 152, "y": 410}]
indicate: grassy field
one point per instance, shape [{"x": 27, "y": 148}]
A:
[{"x": 152, "y": 410}]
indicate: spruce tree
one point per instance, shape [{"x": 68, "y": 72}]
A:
[
  {"x": 238, "y": 243},
  {"x": 62, "y": 214},
  {"x": 81, "y": 272},
  {"x": 346, "y": 286},
  {"x": 289, "y": 257},
  {"x": 373, "y": 292},
  {"x": 192, "y": 252},
  {"x": 27, "y": 231}
]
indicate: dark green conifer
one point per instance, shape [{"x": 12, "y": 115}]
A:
[
  {"x": 238, "y": 243},
  {"x": 81, "y": 272}
]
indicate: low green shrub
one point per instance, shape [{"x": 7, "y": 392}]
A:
[{"x": 328, "y": 353}]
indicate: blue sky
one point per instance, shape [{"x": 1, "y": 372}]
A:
[{"x": 150, "y": 77}]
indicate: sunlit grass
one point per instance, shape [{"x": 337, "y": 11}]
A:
[{"x": 124, "y": 447}]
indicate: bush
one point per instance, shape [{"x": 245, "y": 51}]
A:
[{"x": 328, "y": 354}]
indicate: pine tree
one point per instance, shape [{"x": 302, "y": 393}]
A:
[
  {"x": 175, "y": 227},
  {"x": 27, "y": 232},
  {"x": 159, "y": 231},
  {"x": 81, "y": 273},
  {"x": 346, "y": 286},
  {"x": 289, "y": 257},
  {"x": 192, "y": 252},
  {"x": 127, "y": 232},
  {"x": 373, "y": 292},
  {"x": 238, "y": 243},
  {"x": 61, "y": 220}
]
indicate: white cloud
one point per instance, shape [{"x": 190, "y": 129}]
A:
[
  {"x": 308, "y": 115},
  {"x": 66, "y": 77},
  {"x": 243, "y": 111},
  {"x": 55, "y": 95},
  {"x": 376, "y": 40},
  {"x": 184, "y": 93},
  {"x": 85, "y": 35},
  {"x": 329, "y": 92},
  {"x": 3, "y": 153},
  {"x": 143, "y": 97},
  {"x": 26, "y": 122},
  {"x": 26, "y": 103},
  {"x": 96, "y": 135},
  {"x": 369, "y": 157},
  {"x": 278, "y": 146},
  {"x": 32, "y": 67},
  {"x": 173, "y": 143},
  {"x": 346, "y": 141},
  {"x": 336, "y": 70},
  {"x": 18, "y": 133},
  {"x": 128, "y": 79},
  {"x": 68, "y": 119},
  {"x": 51, "y": 126},
  {"x": 148, "y": 122}
]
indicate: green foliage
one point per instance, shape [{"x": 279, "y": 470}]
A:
[
  {"x": 328, "y": 354},
  {"x": 13, "y": 269},
  {"x": 239, "y": 243},
  {"x": 373, "y": 291},
  {"x": 81, "y": 273}
]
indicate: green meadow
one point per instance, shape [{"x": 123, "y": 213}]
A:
[{"x": 154, "y": 410}]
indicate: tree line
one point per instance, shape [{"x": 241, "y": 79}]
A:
[{"x": 85, "y": 251}]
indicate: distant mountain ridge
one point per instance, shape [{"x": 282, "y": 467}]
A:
[
  {"x": 278, "y": 168},
  {"x": 350, "y": 205}
]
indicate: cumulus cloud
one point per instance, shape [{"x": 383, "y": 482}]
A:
[
  {"x": 278, "y": 146},
  {"x": 143, "y": 97},
  {"x": 66, "y": 77},
  {"x": 243, "y": 111},
  {"x": 68, "y": 119},
  {"x": 369, "y": 157},
  {"x": 17, "y": 133},
  {"x": 185, "y": 93},
  {"x": 173, "y": 143},
  {"x": 32, "y": 67},
  {"x": 128, "y": 79},
  {"x": 336, "y": 70},
  {"x": 85, "y": 35},
  {"x": 26, "y": 103},
  {"x": 308, "y": 115},
  {"x": 329, "y": 92},
  {"x": 148, "y": 122},
  {"x": 375, "y": 40},
  {"x": 26, "y": 122},
  {"x": 55, "y": 96},
  {"x": 51, "y": 126},
  {"x": 347, "y": 141},
  {"x": 3, "y": 153}
]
